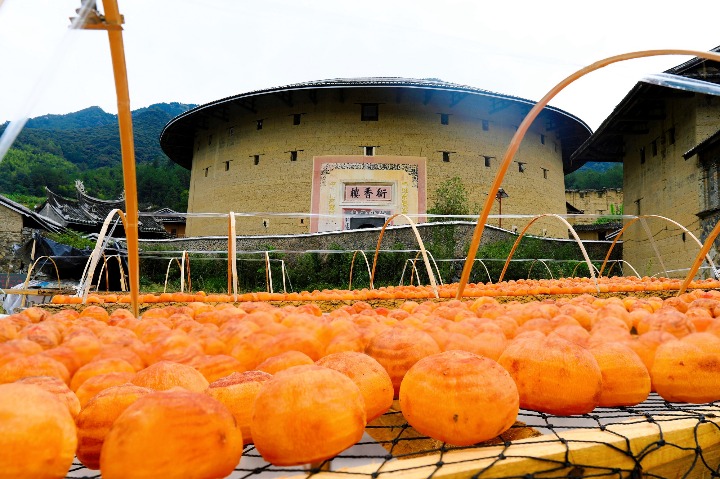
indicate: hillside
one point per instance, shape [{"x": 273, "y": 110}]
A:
[{"x": 55, "y": 150}]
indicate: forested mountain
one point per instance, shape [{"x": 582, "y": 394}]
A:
[
  {"x": 55, "y": 150},
  {"x": 595, "y": 175}
]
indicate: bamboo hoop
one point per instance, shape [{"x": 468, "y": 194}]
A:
[
  {"x": 29, "y": 273},
  {"x": 525, "y": 126},
  {"x": 352, "y": 264},
  {"x": 420, "y": 243},
  {"x": 572, "y": 231}
]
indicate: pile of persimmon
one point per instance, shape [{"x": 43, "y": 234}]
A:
[
  {"x": 523, "y": 287},
  {"x": 283, "y": 377}
]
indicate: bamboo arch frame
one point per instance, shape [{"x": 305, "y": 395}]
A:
[
  {"x": 29, "y": 273},
  {"x": 544, "y": 264},
  {"x": 572, "y": 231},
  {"x": 699, "y": 258},
  {"x": 232, "y": 256},
  {"x": 352, "y": 264},
  {"x": 525, "y": 126},
  {"x": 580, "y": 263},
  {"x": 104, "y": 267},
  {"x": 620, "y": 233},
  {"x": 90, "y": 266},
  {"x": 622, "y": 261},
  {"x": 183, "y": 266},
  {"x": 433, "y": 283},
  {"x": 415, "y": 272}
]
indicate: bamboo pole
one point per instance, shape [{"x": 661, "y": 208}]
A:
[{"x": 114, "y": 20}]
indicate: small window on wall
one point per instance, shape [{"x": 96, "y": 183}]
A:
[
  {"x": 369, "y": 112},
  {"x": 368, "y": 150},
  {"x": 671, "y": 135},
  {"x": 293, "y": 155},
  {"x": 231, "y": 131},
  {"x": 637, "y": 203},
  {"x": 642, "y": 155},
  {"x": 542, "y": 139},
  {"x": 256, "y": 159},
  {"x": 487, "y": 160},
  {"x": 545, "y": 173},
  {"x": 209, "y": 140},
  {"x": 207, "y": 170},
  {"x": 446, "y": 156},
  {"x": 258, "y": 124},
  {"x": 521, "y": 166},
  {"x": 296, "y": 118},
  {"x": 485, "y": 125},
  {"x": 444, "y": 119},
  {"x": 227, "y": 166}
]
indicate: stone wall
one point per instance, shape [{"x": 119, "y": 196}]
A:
[
  {"x": 11, "y": 233},
  {"x": 366, "y": 239}
]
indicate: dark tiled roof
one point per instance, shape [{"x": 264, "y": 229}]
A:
[
  {"x": 30, "y": 218},
  {"x": 91, "y": 212}
]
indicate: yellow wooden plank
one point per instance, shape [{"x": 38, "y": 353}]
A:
[{"x": 621, "y": 446}]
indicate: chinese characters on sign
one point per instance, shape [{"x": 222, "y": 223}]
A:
[{"x": 368, "y": 192}]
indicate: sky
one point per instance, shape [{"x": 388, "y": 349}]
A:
[{"x": 198, "y": 51}]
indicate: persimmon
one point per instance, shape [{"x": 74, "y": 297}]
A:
[
  {"x": 176, "y": 346},
  {"x": 459, "y": 397},
  {"x": 96, "y": 312},
  {"x": 688, "y": 369},
  {"x": 625, "y": 379},
  {"x": 97, "y": 367},
  {"x": 307, "y": 414},
  {"x": 237, "y": 392},
  {"x": 553, "y": 375},
  {"x": 97, "y": 416},
  {"x": 285, "y": 360},
  {"x": 172, "y": 434},
  {"x": 216, "y": 366},
  {"x": 92, "y": 386},
  {"x": 37, "y": 433},
  {"x": 164, "y": 375},
  {"x": 397, "y": 349},
  {"x": 65, "y": 355},
  {"x": 370, "y": 377},
  {"x": 35, "y": 365},
  {"x": 58, "y": 388},
  {"x": 573, "y": 333}
]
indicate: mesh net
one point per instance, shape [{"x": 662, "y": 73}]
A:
[{"x": 653, "y": 439}]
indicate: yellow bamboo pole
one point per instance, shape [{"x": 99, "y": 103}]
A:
[
  {"x": 525, "y": 125},
  {"x": 114, "y": 20}
]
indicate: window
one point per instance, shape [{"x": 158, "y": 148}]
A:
[
  {"x": 227, "y": 166},
  {"x": 642, "y": 155},
  {"x": 368, "y": 150},
  {"x": 444, "y": 119},
  {"x": 671, "y": 135},
  {"x": 637, "y": 202},
  {"x": 485, "y": 125},
  {"x": 542, "y": 139},
  {"x": 545, "y": 172},
  {"x": 487, "y": 160},
  {"x": 654, "y": 147},
  {"x": 446, "y": 156},
  {"x": 369, "y": 112},
  {"x": 259, "y": 124},
  {"x": 521, "y": 166},
  {"x": 293, "y": 155},
  {"x": 209, "y": 140},
  {"x": 256, "y": 159},
  {"x": 207, "y": 170},
  {"x": 600, "y": 194},
  {"x": 296, "y": 118},
  {"x": 231, "y": 131}
]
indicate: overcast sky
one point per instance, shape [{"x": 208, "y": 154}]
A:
[{"x": 197, "y": 51}]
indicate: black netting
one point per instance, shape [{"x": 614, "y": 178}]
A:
[{"x": 653, "y": 439}]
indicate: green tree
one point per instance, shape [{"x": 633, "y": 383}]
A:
[{"x": 450, "y": 199}]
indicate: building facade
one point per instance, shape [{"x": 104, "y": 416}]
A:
[
  {"x": 355, "y": 152},
  {"x": 660, "y": 134}
]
